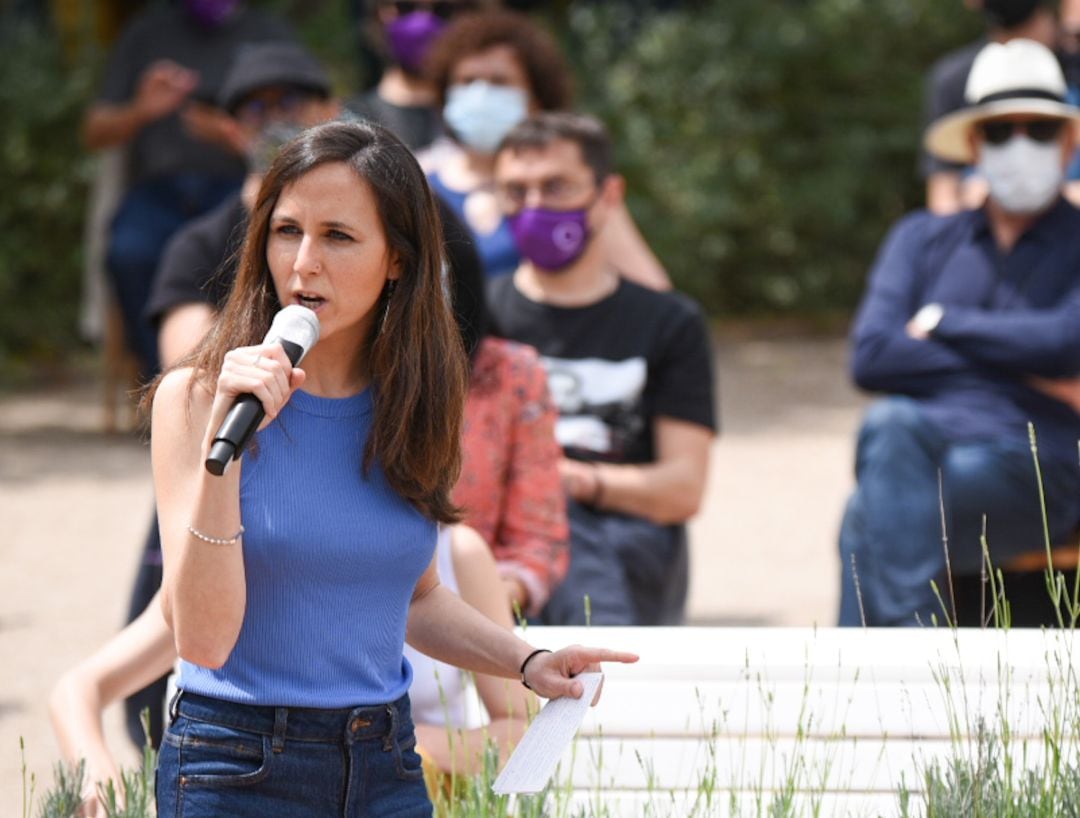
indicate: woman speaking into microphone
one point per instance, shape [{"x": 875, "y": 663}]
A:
[{"x": 292, "y": 580}]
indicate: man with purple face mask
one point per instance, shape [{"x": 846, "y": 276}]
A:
[
  {"x": 971, "y": 326},
  {"x": 629, "y": 369},
  {"x": 183, "y": 153},
  {"x": 404, "y": 100}
]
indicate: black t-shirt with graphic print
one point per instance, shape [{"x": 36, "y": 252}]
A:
[{"x": 615, "y": 365}]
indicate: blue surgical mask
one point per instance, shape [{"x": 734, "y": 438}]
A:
[{"x": 481, "y": 114}]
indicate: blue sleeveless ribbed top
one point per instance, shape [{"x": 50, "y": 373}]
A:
[{"x": 331, "y": 558}]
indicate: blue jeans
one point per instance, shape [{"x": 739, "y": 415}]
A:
[
  {"x": 149, "y": 214},
  {"x": 892, "y": 527},
  {"x": 219, "y": 758},
  {"x": 635, "y": 572}
]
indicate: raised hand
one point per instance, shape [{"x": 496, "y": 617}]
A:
[{"x": 163, "y": 87}]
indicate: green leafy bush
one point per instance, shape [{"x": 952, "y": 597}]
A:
[
  {"x": 44, "y": 175},
  {"x": 767, "y": 145}
]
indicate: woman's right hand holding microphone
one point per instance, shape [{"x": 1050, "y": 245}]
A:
[{"x": 264, "y": 371}]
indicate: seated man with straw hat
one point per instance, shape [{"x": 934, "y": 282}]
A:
[{"x": 971, "y": 326}]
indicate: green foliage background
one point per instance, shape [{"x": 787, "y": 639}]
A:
[
  {"x": 43, "y": 189},
  {"x": 767, "y": 144}
]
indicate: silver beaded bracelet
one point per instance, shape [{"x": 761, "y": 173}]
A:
[{"x": 216, "y": 540}]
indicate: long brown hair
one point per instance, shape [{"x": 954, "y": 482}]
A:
[{"x": 415, "y": 356}]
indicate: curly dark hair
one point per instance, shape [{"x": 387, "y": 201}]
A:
[{"x": 549, "y": 74}]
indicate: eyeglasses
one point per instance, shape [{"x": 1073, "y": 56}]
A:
[
  {"x": 440, "y": 8},
  {"x": 1000, "y": 131},
  {"x": 555, "y": 193}
]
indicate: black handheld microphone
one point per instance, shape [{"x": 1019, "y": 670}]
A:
[{"x": 296, "y": 328}]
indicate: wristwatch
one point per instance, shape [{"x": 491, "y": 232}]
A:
[{"x": 927, "y": 318}]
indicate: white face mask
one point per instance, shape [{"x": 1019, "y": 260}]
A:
[
  {"x": 481, "y": 114},
  {"x": 1025, "y": 176}
]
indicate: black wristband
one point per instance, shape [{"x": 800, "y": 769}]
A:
[{"x": 526, "y": 662}]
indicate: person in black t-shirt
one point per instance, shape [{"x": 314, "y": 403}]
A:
[{"x": 629, "y": 369}]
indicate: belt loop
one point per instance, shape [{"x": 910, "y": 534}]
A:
[
  {"x": 388, "y": 739},
  {"x": 281, "y": 718},
  {"x": 174, "y": 705}
]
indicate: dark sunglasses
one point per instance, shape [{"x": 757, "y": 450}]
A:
[
  {"x": 440, "y": 8},
  {"x": 998, "y": 132}
]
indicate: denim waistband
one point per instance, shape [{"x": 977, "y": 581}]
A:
[{"x": 347, "y": 725}]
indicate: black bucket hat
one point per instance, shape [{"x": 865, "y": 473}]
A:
[{"x": 263, "y": 65}]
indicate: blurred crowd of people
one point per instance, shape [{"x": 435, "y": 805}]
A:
[{"x": 591, "y": 401}]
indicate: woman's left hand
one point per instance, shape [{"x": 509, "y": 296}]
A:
[{"x": 551, "y": 674}]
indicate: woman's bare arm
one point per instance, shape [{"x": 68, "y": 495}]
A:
[
  {"x": 508, "y": 704},
  {"x": 133, "y": 658}
]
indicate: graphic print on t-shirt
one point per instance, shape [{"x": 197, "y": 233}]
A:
[{"x": 600, "y": 403}]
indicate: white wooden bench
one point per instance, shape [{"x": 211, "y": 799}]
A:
[{"x": 726, "y": 721}]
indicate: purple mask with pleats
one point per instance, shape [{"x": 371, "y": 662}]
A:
[
  {"x": 550, "y": 239},
  {"x": 410, "y": 37},
  {"x": 211, "y": 13}
]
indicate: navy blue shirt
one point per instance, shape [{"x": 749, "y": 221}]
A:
[{"x": 1007, "y": 317}]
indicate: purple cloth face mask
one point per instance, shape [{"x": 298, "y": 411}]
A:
[
  {"x": 550, "y": 239},
  {"x": 411, "y": 36},
  {"x": 211, "y": 13}
]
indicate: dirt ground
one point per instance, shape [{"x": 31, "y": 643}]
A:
[{"x": 75, "y": 504}]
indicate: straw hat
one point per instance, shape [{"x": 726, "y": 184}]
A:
[{"x": 1017, "y": 77}]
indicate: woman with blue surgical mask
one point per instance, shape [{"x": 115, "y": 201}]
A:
[{"x": 491, "y": 70}]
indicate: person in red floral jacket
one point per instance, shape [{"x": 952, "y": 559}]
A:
[{"x": 509, "y": 487}]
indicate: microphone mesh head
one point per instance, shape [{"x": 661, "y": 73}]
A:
[{"x": 295, "y": 324}]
